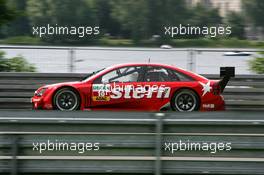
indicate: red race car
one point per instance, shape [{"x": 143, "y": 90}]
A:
[{"x": 143, "y": 86}]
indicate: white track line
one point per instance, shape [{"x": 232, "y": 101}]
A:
[
  {"x": 121, "y": 119},
  {"x": 222, "y": 159},
  {"x": 117, "y": 133}
]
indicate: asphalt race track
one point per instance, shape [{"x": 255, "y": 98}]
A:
[
  {"x": 131, "y": 142},
  {"x": 80, "y": 116}
]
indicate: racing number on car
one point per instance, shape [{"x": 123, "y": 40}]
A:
[{"x": 100, "y": 92}]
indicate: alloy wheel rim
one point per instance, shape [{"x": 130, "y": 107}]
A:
[
  {"x": 66, "y": 100},
  {"x": 185, "y": 102}
]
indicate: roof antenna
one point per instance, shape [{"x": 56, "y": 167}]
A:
[{"x": 149, "y": 60}]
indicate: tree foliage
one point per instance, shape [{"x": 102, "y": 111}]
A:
[
  {"x": 257, "y": 65},
  {"x": 237, "y": 22},
  {"x": 203, "y": 16},
  {"x": 20, "y": 25},
  {"x": 145, "y": 18},
  {"x": 134, "y": 19},
  {"x": 254, "y": 10},
  {"x": 15, "y": 64},
  {"x": 65, "y": 13},
  {"x": 7, "y": 13},
  {"x": 108, "y": 24},
  {"x": 139, "y": 20}
]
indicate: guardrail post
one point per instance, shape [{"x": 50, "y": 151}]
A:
[
  {"x": 14, "y": 149},
  {"x": 191, "y": 64},
  {"x": 71, "y": 59},
  {"x": 158, "y": 142}
]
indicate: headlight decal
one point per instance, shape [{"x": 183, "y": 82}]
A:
[{"x": 40, "y": 92}]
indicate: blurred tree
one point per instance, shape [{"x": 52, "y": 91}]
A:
[
  {"x": 144, "y": 18},
  {"x": 15, "y": 64},
  {"x": 106, "y": 22},
  {"x": 20, "y": 26},
  {"x": 203, "y": 16},
  {"x": 173, "y": 13},
  {"x": 236, "y": 21},
  {"x": 166, "y": 13},
  {"x": 133, "y": 19},
  {"x": 133, "y": 15},
  {"x": 39, "y": 11},
  {"x": 254, "y": 10},
  {"x": 3, "y": 63},
  {"x": 64, "y": 13},
  {"x": 7, "y": 13},
  {"x": 155, "y": 16},
  {"x": 257, "y": 65}
]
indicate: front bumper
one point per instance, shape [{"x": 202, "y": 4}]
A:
[
  {"x": 40, "y": 103},
  {"x": 36, "y": 103}
]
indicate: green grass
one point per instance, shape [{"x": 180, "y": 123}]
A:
[
  {"x": 22, "y": 40},
  {"x": 116, "y": 42},
  {"x": 216, "y": 43},
  {"x": 177, "y": 43}
]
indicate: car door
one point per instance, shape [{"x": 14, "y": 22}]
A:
[
  {"x": 157, "y": 87},
  {"x": 161, "y": 83},
  {"x": 115, "y": 89}
]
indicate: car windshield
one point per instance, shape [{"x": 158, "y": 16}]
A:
[{"x": 93, "y": 73}]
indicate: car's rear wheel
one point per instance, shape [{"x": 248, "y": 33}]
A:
[
  {"x": 66, "y": 99},
  {"x": 185, "y": 100}
]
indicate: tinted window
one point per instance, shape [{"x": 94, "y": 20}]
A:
[
  {"x": 160, "y": 74},
  {"x": 125, "y": 74},
  {"x": 178, "y": 76},
  {"x": 155, "y": 74}
]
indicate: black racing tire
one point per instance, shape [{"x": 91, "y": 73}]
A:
[
  {"x": 185, "y": 100},
  {"x": 66, "y": 99}
]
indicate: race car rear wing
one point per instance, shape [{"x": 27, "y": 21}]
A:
[{"x": 225, "y": 73}]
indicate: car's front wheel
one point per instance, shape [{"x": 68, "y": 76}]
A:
[
  {"x": 185, "y": 100},
  {"x": 66, "y": 99}
]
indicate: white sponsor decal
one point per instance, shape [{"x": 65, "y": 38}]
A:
[
  {"x": 131, "y": 91},
  {"x": 211, "y": 106},
  {"x": 206, "y": 87}
]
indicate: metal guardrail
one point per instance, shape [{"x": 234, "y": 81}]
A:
[
  {"x": 244, "y": 92},
  {"x": 131, "y": 142},
  {"x": 73, "y": 51}
]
